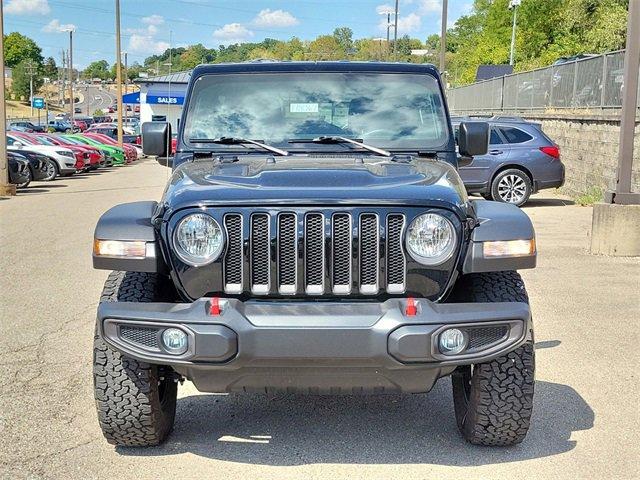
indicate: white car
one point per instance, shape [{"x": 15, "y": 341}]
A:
[{"x": 64, "y": 158}]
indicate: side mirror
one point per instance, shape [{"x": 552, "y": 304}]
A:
[
  {"x": 156, "y": 139},
  {"x": 473, "y": 138}
]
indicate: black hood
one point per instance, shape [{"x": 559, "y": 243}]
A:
[{"x": 309, "y": 180}]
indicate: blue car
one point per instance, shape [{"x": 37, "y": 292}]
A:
[{"x": 521, "y": 161}]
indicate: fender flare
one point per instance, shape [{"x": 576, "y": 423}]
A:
[
  {"x": 498, "y": 222},
  {"x": 129, "y": 222}
]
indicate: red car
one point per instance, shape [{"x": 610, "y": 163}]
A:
[
  {"x": 81, "y": 124},
  {"x": 92, "y": 157},
  {"x": 130, "y": 152}
]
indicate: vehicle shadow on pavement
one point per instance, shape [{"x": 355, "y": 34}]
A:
[{"x": 292, "y": 430}]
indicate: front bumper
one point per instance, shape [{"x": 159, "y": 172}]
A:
[{"x": 316, "y": 347}]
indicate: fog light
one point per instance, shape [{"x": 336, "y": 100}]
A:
[
  {"x": 175, "y": 341},
  {"x": 452, "y": 341}
]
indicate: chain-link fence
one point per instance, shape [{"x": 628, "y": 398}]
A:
[{"x": 588, "y": 83}]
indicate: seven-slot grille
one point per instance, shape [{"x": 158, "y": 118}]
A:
[{"x": 314, "y": 253}]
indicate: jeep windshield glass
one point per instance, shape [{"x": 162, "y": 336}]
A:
[{"x": 386, "y": 110}]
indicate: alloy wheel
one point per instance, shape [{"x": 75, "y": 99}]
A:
[{"x": 512, "y": 189}]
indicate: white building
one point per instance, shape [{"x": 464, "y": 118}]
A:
[{"x": 161, "y": 98}]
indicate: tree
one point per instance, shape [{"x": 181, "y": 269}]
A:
[
  {"x": 98, "y": 69},
  {"x": 50, "y": 69},
  {"x": 18, "y": 48},
  {"x": 195, "y": 55},
  {"x": 21, "y": 79},
  {"x": 344, "y": 37},
  {"x": 326, "y": 47}
]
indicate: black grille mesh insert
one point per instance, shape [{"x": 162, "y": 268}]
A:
[
  {"x": 368, "y": 249},
  {"x": 314, "y": 249},
  {"x": 482, "y": 337},
  {"x": 260, "y": 250},
  {"x": 233, "y": 257},
  {"x": 295, "y": 252},
  {"x": 341, "y": 249},
  {"x": 396, "y": 262},
  {"x": 287, "y": 258},
  {"x": 145, "y": 336}
]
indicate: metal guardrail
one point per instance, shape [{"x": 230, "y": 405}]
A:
[{"x": 588, "y": 83}]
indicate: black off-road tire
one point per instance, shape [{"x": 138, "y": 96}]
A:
[
  {"x": 136, "y": 401},
  {"x": 493, "y": 401}
]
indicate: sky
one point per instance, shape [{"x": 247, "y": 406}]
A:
[{"x": 150, "y": 26}]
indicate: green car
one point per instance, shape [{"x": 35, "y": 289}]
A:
[{"x": 116, "y": 153}]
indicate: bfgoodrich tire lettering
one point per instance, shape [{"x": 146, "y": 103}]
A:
[
  {"x": 136, "y": 401},
  {"x": 493, "y": 401}
]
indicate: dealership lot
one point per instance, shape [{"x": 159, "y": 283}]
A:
[{"x": 586, "y": 421}]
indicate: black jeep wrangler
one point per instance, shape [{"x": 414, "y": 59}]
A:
[{"x": 314, "y": 237}]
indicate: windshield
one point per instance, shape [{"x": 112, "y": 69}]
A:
[{"x": 394, "y": 111}]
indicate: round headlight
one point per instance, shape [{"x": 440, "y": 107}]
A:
[
  {"x": 431, "y": 239},
  {"x": 198, "y": 239}
]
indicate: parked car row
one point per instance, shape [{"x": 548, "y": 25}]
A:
[{"x": 44, "y": 156}]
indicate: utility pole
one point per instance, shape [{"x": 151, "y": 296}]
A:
[
  {"x": 387, "y": 13},
  {"x": 6, "y": 188},
  {"x": 31, "y": 70},
  {"x": 71, "y": 95},
  {"x": 118, "y": 73},
  {"x": 513, "y": 5},
  {"x": 614, "y": 227},
  {"x": 623, "y": 194},
  {"x": 443, "y": 37},
  {"x": 395, "y": 34},
  {"x": 126, "y": 82},
  {"x": 61, "y": 73}
]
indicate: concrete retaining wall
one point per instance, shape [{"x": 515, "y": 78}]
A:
[{"x": 589, "y": 150}]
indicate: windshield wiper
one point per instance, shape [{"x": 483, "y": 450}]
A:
[
  {"x": 239, "y": 141},
  {"x": 338, "y": 139}
]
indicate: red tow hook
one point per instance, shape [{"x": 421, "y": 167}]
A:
[
  {"x": 214, "y": 306},
  {"x": 411, "y": 309}
]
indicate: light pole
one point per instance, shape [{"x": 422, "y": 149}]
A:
[
  {"x": 6, "y": 188},
  {"x": 513, "y": 5},
  {"x": 118, "y": 74},
  {"x": 443, "y": 37}
]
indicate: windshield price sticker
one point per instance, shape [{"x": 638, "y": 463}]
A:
[{"x": 303, "y": 108}]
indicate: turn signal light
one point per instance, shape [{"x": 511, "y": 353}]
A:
[
  {"x": 119, "y": 248},
  {"x": 509, "y": 248}
]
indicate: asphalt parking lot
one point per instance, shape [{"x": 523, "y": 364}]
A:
[{"x": 586, "y": 419}]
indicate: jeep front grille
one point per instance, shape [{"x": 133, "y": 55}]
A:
[{"x": 314, "y": 253}]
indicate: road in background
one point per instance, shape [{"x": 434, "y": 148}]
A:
[
  {"x": 586, "y": 422},
  {"x": 95, "y": 97}
]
